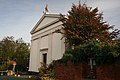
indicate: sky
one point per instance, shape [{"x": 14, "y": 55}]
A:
[{"x": 18, "y": 17}]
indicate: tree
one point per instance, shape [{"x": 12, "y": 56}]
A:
[
  {"x": 84, "y": 24},
  {"x": 7, "y": 48},
  {"x": 16, "y": 50},
  {"x": 22, "y": 54},
  {"x": 91, "y": 37}
]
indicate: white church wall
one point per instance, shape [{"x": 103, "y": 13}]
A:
[
  {"x": 44, "y": 42},
  {"x": 34, "y": 56},
  {"x": 56, "y": 46},
  {"x": 49, "y": 58}
]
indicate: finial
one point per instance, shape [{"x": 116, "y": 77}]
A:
[{"x": 46, "y": 9}]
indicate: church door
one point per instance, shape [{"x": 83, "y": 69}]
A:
[{"x": 45, "y": 58}]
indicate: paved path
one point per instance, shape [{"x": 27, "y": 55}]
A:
[{"x": 15, "y": 78}]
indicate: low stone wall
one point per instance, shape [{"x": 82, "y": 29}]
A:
[{"x": 80, "y": 71}]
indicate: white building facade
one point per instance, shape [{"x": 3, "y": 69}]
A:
[{"x": 46, "y": 45}]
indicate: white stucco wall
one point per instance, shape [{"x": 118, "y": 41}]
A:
[
  {"x": 44, "y": 42},
  {"x": 34, "y": 56},
  {"x": 56, "y": 46}
]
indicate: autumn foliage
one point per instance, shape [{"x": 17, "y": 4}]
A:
[{"x": 84, "y": 24}]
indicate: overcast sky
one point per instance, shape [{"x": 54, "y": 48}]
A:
[{"x": 18, "y": 17}]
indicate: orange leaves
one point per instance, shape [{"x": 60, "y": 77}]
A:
[{"x": 84, "y": 24}]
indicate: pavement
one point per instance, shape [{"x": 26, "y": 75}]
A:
[{"x": 19, "y": 77}]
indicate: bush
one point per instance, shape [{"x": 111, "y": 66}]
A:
[
  {"x": 101, "y": 53},
  {"x": 3, "y": 67},
  {"x": 46, "y": 73}
]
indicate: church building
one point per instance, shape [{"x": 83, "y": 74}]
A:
[{"x": 46, "y": 44}]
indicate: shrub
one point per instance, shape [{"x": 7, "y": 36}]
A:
[
  {"x": 101, "y": 53},
  {"x": 46, "y": 73},
  {"x": 3, "y": 67}
]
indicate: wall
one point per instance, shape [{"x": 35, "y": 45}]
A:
[
  {"x": 68, "y": 71},
  {"x": 71, "y": 71},
  {"x": 34, "y": 57}
]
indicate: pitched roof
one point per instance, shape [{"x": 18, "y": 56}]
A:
[{"x": 41, "y": 19}]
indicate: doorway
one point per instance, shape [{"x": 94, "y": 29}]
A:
[{"x": 45, "y": 58}]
